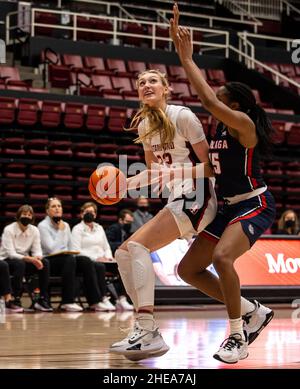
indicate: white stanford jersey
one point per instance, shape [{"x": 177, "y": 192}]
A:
[
  {"x": 192, "y": 219},
  {"x": 188, "y": 131}
]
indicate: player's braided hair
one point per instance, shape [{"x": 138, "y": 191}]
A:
[
  {"x": 156, "y": 121},
  {"x": 241, "y": 93}
]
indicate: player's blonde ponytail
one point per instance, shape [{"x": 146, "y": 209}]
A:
[{"x": 156, "y": 121}]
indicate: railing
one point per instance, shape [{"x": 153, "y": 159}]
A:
[
  {"x": 288, "y": 7},
  {"x": 117, "y": 33},
  {"x": 108, "y": 5},
  {"x": 246, "y": 50},
  {"x": 162, "y": 13},
  {"x": 266, "y": 9},
  {"x": 237, "y": 9},
  {"x": 211, "y": 19},
  {"x": 286, "y": 42},
  {"x": 269, "y": 9},
  {"x": 250, "y": 61}
]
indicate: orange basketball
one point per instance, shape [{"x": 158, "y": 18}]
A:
[{"x": 107, "y": 185}]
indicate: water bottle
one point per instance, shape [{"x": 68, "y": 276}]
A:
[{"x": 2, "y": 311}]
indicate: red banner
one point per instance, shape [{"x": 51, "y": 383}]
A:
[{"x": 270, "y": 262}]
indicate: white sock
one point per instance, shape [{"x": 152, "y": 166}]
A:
[
  {"x": 146, "y": 320},
  {"x": 246, "y": 306},
  {"x": 143, "y": 273},
  {"x": 124, "y": 261},
  {"x": 236, "y": 327}
]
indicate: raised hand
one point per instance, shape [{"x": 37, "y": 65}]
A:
[
  {"x": 173, "y": 29},
  {"x": 185, "y": 46},
  {"x": 181, "y": 36}
]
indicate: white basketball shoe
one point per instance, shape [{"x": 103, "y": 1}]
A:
[
  {"x": 140, "y": 344},
  {"x": 256, "y": 321},
  {"x": 232, "y": 349}
]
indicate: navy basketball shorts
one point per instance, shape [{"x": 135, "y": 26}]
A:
[{"x": 256, "y": 215}]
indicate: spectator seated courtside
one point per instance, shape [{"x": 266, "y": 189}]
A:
[{"x": 21, "y": 250}]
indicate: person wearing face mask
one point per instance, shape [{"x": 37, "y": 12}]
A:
[
  {"x": 57, "y": 245},
  {"x": 118, "y": 232},
  {"x": 21, "y": 249},
  {"x": 288, "y": 223},
  {"x": 88, "y": 237},
  {"x": 141, "y": 215}
]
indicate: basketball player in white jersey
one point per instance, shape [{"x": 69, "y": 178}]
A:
[{"x": 164, "y": 130}]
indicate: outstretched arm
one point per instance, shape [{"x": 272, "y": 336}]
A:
[
  {"x": 162, "y": 175},
  {"x": 183, "y": 44}
]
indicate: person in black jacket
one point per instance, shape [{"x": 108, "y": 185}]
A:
[{"x": 118, "y": 232}]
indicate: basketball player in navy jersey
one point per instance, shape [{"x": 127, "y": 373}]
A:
[{"x": 242, "y": 135}]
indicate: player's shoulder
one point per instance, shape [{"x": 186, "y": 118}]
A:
[
  {"x": 181, "y": 113},
  {"x": 171, "y": 108}
]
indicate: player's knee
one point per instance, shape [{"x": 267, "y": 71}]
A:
[
  {"x": 133, "y": 245},
  {"x": 142, "y": 265},
  {"x": 123, "y": 247},
  {"x": 121, "y": 253},
  {"x": 222, "y": 260},
  {"x": 184, "y": 272}
]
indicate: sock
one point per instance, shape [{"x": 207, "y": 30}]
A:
[
  {"x": 124, "y": 261},
  {"x": 236, "y": 327},
  {"x": 146, "y": 320},
  {"x": 246, "y": 306}
]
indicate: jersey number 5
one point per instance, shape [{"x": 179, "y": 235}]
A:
[{"x": 214, "y": 158}]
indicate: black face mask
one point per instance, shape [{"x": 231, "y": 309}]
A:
[
  {"x": 25, "y": 221},
  {"x": 127, "y": 227},
  {"x": 88, "y": 217},
  {"x": 56, "y": 219},
  {"x": 290, "y": 223},
  {"x": 143, "y": 208}
]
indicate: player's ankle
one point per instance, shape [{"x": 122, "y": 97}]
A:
[{"x": 146, "y": 320}]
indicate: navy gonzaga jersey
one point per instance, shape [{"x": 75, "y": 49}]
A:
[{"x": 236, "y": 167}]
